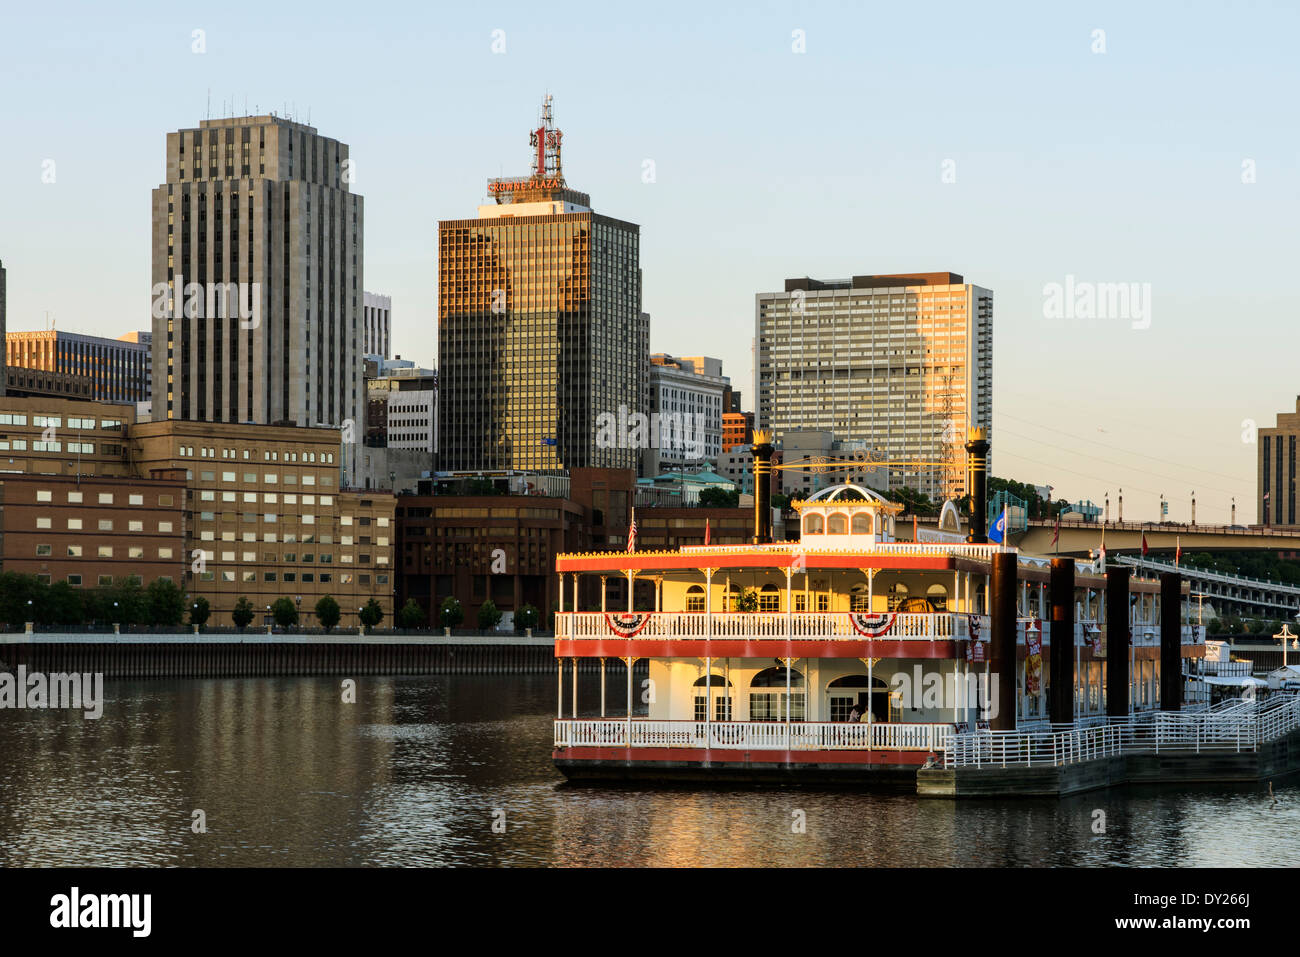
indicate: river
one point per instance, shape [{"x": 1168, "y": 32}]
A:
[{"x": 419, "y": 770}]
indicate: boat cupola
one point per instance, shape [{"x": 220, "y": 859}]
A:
[{"x": 845, "y": 518}]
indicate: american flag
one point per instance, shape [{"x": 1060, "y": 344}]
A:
[
  {"x": 631, "y": 533},
  {"x": 706, "y": 531}
]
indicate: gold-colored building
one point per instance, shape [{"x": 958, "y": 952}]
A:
[
  {"x": 901, "y": 363},
  {"x": 540, "y": 328}
]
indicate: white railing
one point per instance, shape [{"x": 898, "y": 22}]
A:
[
  {"x": 751, "y": 735},
  {"x": 820, "y": 625},
  {"x": 1241, "y": 726}
]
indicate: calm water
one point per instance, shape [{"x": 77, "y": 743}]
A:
[{"x": 411, "y": 775}]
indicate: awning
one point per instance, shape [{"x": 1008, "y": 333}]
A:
[{"x": 1234, "y": 681}]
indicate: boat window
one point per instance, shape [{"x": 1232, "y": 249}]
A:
[
  {"x": 812, "y": 524},
  {"x": 695, "y": 598},
  {"x": 769, "y": 599},
  {"x": 858, "y": 598},
  {"x": 718, "y": 681},
  {"x": 775, "y": 704},
  {"x": 837, "y": 524},
  {"x": 938, "y": 596},
  {"x": 897, "y": 595},
  {"x": 862, "y": 523},
  {"x": 775, "y": 678}
]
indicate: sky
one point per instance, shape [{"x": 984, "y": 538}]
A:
[{"x": 1014, "y": 144}]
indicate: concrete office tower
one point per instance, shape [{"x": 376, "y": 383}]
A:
[
  {"x": 540, "y": 329},
  {"x": 686, "y": 396},
  {"x": 257, "y": 268},
  {"x": 1275, "y": 482},
  {"x": 376, "y": 321},
  {"x": 900, "y": 363}
]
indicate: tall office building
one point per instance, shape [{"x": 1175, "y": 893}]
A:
[
  {"x": 376, "y": 321},
  {"x": 257, "y": 271},
  {"x": 900, "y": 363},
  {"x": 1275, "y": 486},
  {"x": 540, "y": 328}
]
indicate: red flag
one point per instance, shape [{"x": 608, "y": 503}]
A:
[
  {"x": 706, "y": 531},
  {"x": 1144, "y": 543},
  {"x": 1178, "y": 551}
]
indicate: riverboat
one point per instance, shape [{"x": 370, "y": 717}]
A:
[{"x": 848, "y": 655}]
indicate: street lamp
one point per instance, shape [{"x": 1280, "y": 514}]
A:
[{"x": 1284, "y": 634}]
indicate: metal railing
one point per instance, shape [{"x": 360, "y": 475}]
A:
[
  {"x": 940, "y": 626},
  {"x": 1240, "y": 726},
  {"x": 750, "y": 735}
]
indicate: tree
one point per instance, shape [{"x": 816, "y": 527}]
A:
[
  {"x": 285, "y": 612},
  {"x": 778, "y": 501},
  {"x": 63, "y": 605},
  {"x": 527, "y": 617},
  {"x": 326, "y": 611},
  {"x": 411, "y": 615},
  {"x": 748, "y": 600},
  {"x": 200, "y": 609},
  {"x": 451, "y": 614},
  {"x": 132, "y": 602},
  {"x": 713, "y": 497},
  {"x": 242, "y": 614},
  {"x": 15, "y": 592},
  {"x": 913, "y": 502},
  {"x": 163, "y": 603},
  {"x": 489, "y": 616},
  {"x": 372, "y": 614}
]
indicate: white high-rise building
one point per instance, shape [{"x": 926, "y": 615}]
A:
[
  {"x": 376, "y": 323},
  {"x": 686, "y": 405},
  {"x": 902, "y": 364}
]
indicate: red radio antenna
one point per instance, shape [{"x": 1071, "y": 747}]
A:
[{"x": 546, "y": 140}]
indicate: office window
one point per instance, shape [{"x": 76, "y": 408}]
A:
[
  {"x": 135, "y": 499},
  {"x": 105, "y": 524},
  {"x": 42, "y": 550},
  {"x": 105, "y": 498},
  {"x": 74, "y": 498},
  {"x": 74, "y": 551},
  {"x": 42, "y": 523},
  {"x": 44, "y": 495},
  {"x": 105, "y": 551}
]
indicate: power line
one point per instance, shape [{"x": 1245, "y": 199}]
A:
[
  {"x": 1112, "y": 448},
  {"x": 1121, "y": 465}
]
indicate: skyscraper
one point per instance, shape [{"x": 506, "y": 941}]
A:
[
  {"x": 901, "y": 363},
  {"x": 257, "y": 271},
  {"x": 540, "y": 328}
]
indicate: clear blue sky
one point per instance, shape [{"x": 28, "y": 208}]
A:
[{"x": 1122, "y": 166}]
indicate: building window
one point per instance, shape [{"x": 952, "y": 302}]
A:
[{"x": 42, "y": 550}]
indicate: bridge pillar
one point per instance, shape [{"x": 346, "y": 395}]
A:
[
  {"x": 1060, "y": 672},
  {"x": 1117, "y": 640},
  {"x": 1171, "y": 641},
  {"x": 1003, "y": 639}
]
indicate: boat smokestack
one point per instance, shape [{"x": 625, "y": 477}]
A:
[
  {"x": 977, "y": 469},
  {"x": 762, "y": 486}
]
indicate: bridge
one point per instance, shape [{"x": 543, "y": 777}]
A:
[
  {"x": 1247, "y": 597},
  {"x": 1079, "y": 538}
]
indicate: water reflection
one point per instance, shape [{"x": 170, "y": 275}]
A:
[{"x": 413, "y": 773}]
